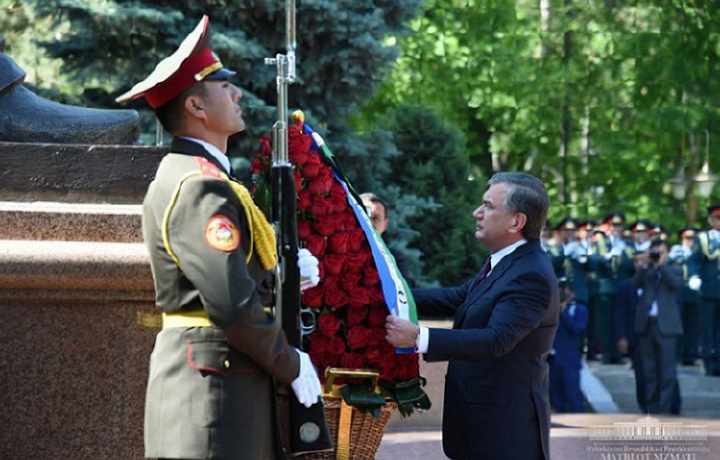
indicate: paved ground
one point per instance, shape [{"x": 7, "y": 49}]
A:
[
  {"x": 570, "y": 435},
  {"x": 571, "y": 439}
]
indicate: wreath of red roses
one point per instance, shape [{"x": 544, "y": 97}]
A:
[{"x": 349, "y": 303}]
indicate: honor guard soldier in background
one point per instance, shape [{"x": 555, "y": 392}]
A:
[
  {"x": 680, "y": 256},
  {"x": 210, "y": 389},
  {"x": 705, "y": 276},
  {"x": 570, "y": 259},
  {"x": 609, "y": 263}
]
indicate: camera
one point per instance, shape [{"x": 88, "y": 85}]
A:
[{"x": 654, "y": 256}]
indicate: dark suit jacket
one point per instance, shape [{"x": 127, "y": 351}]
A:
[
  {"x": 496, "y": 389},
  {"x": 625, "y": 306},
  {"x": 662, "y": 284}
]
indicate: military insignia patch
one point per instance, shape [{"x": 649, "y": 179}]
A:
[{"x": 221, "y": 233}]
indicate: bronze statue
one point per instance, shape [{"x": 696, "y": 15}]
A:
[{"x": 27, "y": 117}]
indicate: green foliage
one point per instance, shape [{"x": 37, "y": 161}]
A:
[
  {"x": 433, "y": 165},
  {"x": 593, "y": 97}
]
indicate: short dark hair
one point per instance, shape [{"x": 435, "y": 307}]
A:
[
  {"x": 171, "y": 114},
  {"x": 528, "y": 196},
  {"x": 659, "y": 242},
  {"x": 372, "y": 198}
]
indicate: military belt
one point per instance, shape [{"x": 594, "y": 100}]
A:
[{"x": 189, "y": 318}]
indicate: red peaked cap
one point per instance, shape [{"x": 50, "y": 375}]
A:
[{"x": 192, "y": 62}]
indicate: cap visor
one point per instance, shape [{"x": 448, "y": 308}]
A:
[{"x": 222, "y": 74}]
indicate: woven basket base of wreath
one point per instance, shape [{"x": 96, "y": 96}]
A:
[{"x": 356, "y": 436}]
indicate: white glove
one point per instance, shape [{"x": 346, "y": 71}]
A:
[
  {"x": 617, "y": 250},
  {"x": 676, "y": 252},
  {"x": 309, "y": 271},
  {"x": 571, "y": 249},
  {"x": 694, "y": 283},
  {"x": 307, "y": 385}
]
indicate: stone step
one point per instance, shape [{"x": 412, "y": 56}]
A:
[
  {"x": 73, "y": 269},
  {"x": 700, "y": 393},
  {"x": 53, "y": 221}
]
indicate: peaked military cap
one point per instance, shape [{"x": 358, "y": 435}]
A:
[
  {"x": 640, "y": 225},
  {"x": 687, "y": 232},
  {"x": 567, "y": 223},
  {"x": 712, "y": 209},
  {"x": 615, "y": 218},
  {"x": 192, "y": 62}
]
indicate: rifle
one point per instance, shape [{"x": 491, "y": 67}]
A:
[{"x": 308, "y": 428}]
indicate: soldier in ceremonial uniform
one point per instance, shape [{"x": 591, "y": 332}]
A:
[
  {"x": 680, "y": 256},
  {"x": 210, "y": 390},
  {"x": 569, "y": 259},
  {"x": 609, "y": 260},
  {"x": 704, "y": 267}
]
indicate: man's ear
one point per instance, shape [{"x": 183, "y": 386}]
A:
[
  {"x": 194, "y": 105},
  {"x": 520, "y": 221}
]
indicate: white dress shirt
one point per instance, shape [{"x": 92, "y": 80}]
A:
[
  {"x": 424, "y": 335},
  {"x": 212, "y": 150}
]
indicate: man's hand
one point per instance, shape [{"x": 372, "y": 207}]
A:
[
  {"x": 307, "y": 385},
  {"x": 623, "y": 346},
  {"x": 401, "y": 333},
  {"x": 309, "y": 271}
]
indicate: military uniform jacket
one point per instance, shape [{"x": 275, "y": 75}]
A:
[
  {"x": 209, "y": 390},
  {"x": 705, "y": 263}
]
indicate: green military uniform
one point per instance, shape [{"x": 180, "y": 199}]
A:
[
  {"x": 705, "y": 264},
  {"x": 210, "y": 390}
]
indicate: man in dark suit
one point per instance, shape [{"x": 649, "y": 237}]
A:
[
  {"x": 212, "y": 252},
  {"x": 496, "y": 389},
  {"x": 658, "y": 325}
]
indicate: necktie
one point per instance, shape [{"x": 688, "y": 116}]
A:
[{"x": 483, "y": 272}]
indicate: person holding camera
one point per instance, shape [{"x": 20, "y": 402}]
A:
[{"x": 658, "y": 324}]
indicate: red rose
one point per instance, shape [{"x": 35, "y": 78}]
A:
[
  {"x": 378, "y": 314},
  {"x": 379, "y": 334},
  {"x": 304, "y": 229},
  {"x": 298, "y": 181},
  {"x": 335, "y": 346},
  {"x": 255, "y": 166},
  {"x": 318, "y": 344},
  {"x": 316, "y": 244},
  {"x": 334, "y": 264},
  {"x": 313, "y": 297},
  {"x": 265, "y": 147},
  {"x": 387, "y": 372},
  {"x": 357, "y": 240},
  {"x": 350, "y": 221},
  {"x": 325, "y": 226},
  {"x": 338, "y": 242},
  {"x": 312, "y": 166},
  {"x": 322, "y": 183},
  {"x": 305, "y": 200},
  {"x": 317, "y": 360},
  {"x": 355, "y": 314},
  {"x": 320, "y": 206},
  {"x": 359, "y": 337},
  {"x": 349, "y": 281},
  {"x": 338, "y": 191},
  {"x": 408, "y": 366},
  {"x": 376, "y": 295},
  {"x": 371, "y": 277},
  {"x": 299, "y": 158},
  {"x": 356, "y": 261},
  {"x": 298, "y": 142},
  {"x": 373, "y": 354},
  {"x": 352, "y": 361},
  {"x": 328, "y": 324},
  {"x": 359, "y": 296},
  {"x": 335, "y": 296}
]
